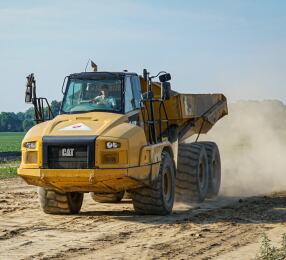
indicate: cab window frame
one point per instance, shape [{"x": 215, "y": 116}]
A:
[{"x": 131, "y": 78}]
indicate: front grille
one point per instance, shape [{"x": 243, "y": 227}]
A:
[
  {"x": 72, "y": 152},
  {"x": 67, "y": 157}
]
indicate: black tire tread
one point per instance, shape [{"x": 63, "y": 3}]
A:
[
  {"x": 210, "y": 148},
  {"x": 148, "y": 200},
  {"x": 55, "y": 202},
  {"x": 186, "y": 178}
]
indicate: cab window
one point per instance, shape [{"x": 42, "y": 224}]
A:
[
  {"x": 132, "y": 93},
  {"x": 129, "y": 100},
  {"x": 136, "y": 90}
]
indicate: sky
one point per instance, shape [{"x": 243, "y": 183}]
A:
[{"x": 236, "y": 47}]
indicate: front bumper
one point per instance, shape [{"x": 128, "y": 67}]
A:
[{"x": 96, "y": 180}]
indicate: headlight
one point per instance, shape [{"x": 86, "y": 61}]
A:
[
  {"x": 30, "y": 145},
  {"x": 110, "y": 145}
]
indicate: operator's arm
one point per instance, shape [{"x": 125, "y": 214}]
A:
[{"x": 98, "y": 98}]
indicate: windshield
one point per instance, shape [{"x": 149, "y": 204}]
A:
[{"x": 92, "y": 95}]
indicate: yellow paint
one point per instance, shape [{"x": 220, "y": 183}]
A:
[{"x": 88, "y": 179}]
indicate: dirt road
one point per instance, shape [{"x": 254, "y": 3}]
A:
[{"x": 222, "y": 229}]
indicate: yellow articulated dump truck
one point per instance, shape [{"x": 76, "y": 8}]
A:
[{"x": 120, "y": 132}]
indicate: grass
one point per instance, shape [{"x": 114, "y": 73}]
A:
[
  {"x": 268, "y": 252},
  {"x": 10, "y": 141},
  {"x": 8, "y": 169}
]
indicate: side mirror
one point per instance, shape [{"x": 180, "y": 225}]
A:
[
  {"x": 28, "y": 94},
  {"x": 165, "y": 77},
  {"x": 145, "y": 74},
  {"x": 166, "y": 91}
]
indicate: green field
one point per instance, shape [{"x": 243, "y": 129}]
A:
[
  {"x": 10, "y": 141},
  {"x": 8, "y": 169}
]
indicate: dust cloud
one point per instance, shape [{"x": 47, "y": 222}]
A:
[{"x": 252, "y": 142}]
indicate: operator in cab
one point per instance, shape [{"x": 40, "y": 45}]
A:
[{"x": 105, "y": 97}]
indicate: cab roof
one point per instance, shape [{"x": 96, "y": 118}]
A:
[{"x": 100, "y": 75}]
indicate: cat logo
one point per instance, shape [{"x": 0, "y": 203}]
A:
[{"x": 68, "y": 152}]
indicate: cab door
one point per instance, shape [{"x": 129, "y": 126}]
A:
[{"x": 132, "y": 99}]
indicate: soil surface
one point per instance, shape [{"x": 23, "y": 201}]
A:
[{"x": 225, "y": 228}]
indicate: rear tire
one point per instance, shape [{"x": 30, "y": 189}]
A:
[
  {"x": 56, "y": 202},
  {"x": 158, "y": 199},
  {"x": 192, "y": 173},
  {"x": 214, "y": 168},
  {"x": 107, "y": 198}
]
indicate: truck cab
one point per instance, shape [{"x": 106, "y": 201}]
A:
[{"x": 114, "y": 92}]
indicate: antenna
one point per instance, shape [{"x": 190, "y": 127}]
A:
[{"x": 86, "y": 65}]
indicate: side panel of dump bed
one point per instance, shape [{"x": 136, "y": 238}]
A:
[
  {"x": 198, "y": 105},
  {"x": 185, "y": 106},
  {"x": 195, "y": 113}
]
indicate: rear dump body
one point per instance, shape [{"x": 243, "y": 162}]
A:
[{"x": 95, "y": 168}]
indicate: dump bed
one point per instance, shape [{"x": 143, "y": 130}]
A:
[{"x": 195, "y": 113}]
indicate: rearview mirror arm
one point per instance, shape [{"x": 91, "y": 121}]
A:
[{"x": 38, "y": 103}]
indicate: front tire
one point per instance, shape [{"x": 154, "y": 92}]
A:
[
  {"x": 158, "y": 199},
  {"x": 56, "y": 202}
]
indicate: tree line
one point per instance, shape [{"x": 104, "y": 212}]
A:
[{"x": 22, "y": 121}]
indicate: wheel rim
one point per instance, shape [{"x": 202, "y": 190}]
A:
[
  {"x": 202, "y": 175},
  {"x": 167, "y": 186},
  {"x": 215, "y": 172}
]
